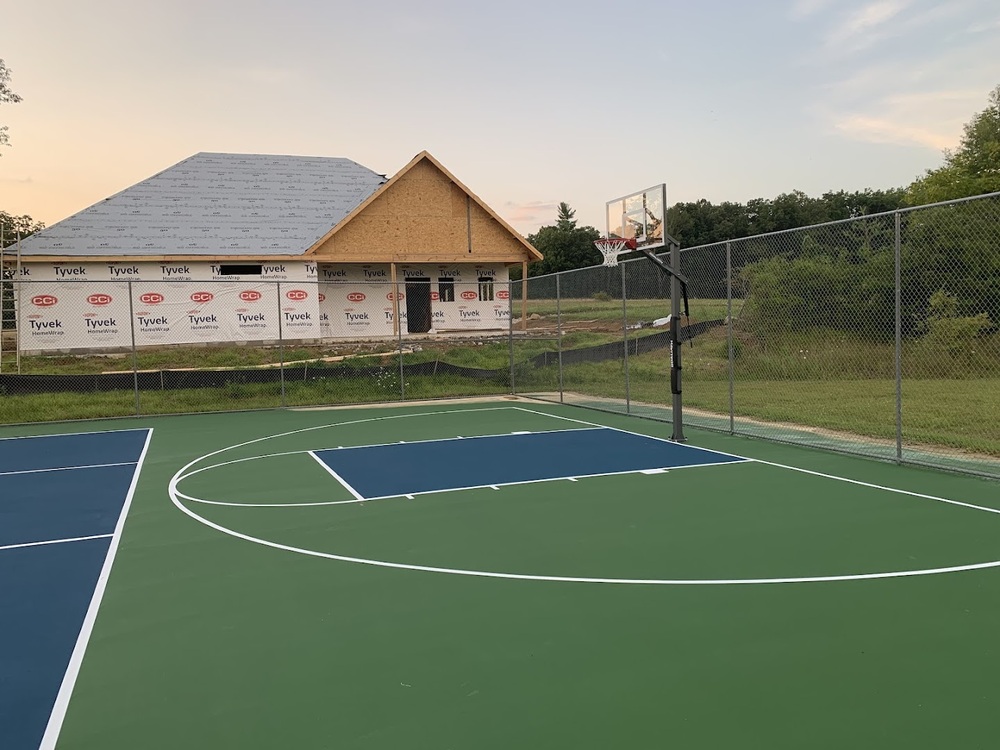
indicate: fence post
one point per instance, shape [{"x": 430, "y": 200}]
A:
[
  {"x": 399, "y": 346},
  {"x": 559, "y": 342},
  {"x": 729, "y": 337},
  {"x": 899, "y": 339},
  {"x": 281, "y": 348},
  {"x": 17, "y": 315},
  {"x": 135, "y": 356},
  {"x": 628, "y": 388},
  {"x": 510, "y": 333}
]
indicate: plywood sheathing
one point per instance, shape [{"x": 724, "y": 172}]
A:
[{"x": 423, "y": 215}]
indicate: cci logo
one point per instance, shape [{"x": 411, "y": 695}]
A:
[
  {"x": 151, "y": 298},
  {"x": 99, "y": 299},
  {"x": 469, "y": 295},
  {"x": 250, "y": 295},
  {"x": 202, "y": 297},
  {"x": 503, "y": 294},
  {"x": 394, "y": 295},
  {"x": 435, "y": 296},
  {"x": 297, "y": 295},
  {"x": 322, "y": 297},
  {"x": 356, "y": 297},
  {"x": 44, "y": 300}
]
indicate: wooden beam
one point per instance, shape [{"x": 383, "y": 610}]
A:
[
  {"x": 395, "y": 300},
  {"x": 441, "y": 258},
  {"x": 524, "y": 295}
]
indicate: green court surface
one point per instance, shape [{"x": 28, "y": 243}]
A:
[{"x": 801, "y": 599}]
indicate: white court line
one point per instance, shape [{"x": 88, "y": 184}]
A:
[
  {"x": 72, "y": 434},
  {"x": 858, "y": 482},
  {"x": 328, "y": 426},
  {"x": 630, "y": 432},
  {"x": 179, "y": 476},
  {"x": 345, "y": 447},
  {"x": 564, "y": 579},
  {"x": 337, "y": 476},
  {"x": 65, "y": 468},
  {"x": 455, "y": 439},
  {"x": 563, "y": 478},
  {"x": 58, "y": 714},
  {"x": 360, "y": 498},
  {"x": 55, "y": 541}
]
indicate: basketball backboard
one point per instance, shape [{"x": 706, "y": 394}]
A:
[{"x": 640, "y": 216}]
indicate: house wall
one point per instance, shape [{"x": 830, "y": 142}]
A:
[{"x": 89, "y": 306}]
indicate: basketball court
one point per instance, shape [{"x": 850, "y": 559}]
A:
[{"x": 484, "y": 574}]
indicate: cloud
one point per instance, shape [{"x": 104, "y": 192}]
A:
[
  {"x": 866, "y": 25},
  {"x": 879, "y": 130},
  {"x": 926, "y": 118},
  {"x": 902, "y": 90}
]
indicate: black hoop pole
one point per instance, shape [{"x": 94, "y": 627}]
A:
[{"x": 678, "y": 290}]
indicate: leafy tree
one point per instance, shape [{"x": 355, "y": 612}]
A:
[
  {"x": 10, "y": 226},
  {"x": 564, "y": 245},
  {"x": 6, "y": 97},
  {"x": 973, "y": 168}
]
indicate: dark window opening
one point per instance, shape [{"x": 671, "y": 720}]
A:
[
  {"x": 446, "y": 290},
  {"x": 485, "y": 288},
  {"x": 238, "y": 270}
]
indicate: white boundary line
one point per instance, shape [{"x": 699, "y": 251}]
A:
[
  {"x": 179, "y": 475},
  {"x": 629, "y": 432},
  {"x": 58, "y": 714},
  {"x": 410, "y": 495},
  {"x": 910, "y": 493},
  {"x": 288, "y": 453},
  {"x": 571, "y": 478},
  {"x": 65, "y": 468},
  {"x": 453, "y": 439},
  {"x": 335, "y": 475},
  {"x": 73, "y": 434},
  {"x": 22, "y": 545}
]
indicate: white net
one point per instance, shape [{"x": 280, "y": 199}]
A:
[{"x": 611, "y": 249}]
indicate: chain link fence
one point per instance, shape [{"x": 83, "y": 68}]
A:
[{"x": 876, "y": 336}]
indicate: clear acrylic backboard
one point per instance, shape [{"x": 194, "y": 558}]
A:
[{"x": 640, "y": 216}]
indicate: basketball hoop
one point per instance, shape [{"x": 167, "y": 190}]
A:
[{"x": 612, "y": 247}]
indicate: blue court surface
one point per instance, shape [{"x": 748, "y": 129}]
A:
[
  {"x": 62, "y": 501},
  {"x": 402, "y": 469}
]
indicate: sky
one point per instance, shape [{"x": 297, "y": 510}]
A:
[{"x": 529, "y": 104}]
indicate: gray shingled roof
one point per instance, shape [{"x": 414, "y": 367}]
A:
[{"x": 217, "y": 204}]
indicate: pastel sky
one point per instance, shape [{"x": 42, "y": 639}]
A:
[{"x": 528, "y": 103}]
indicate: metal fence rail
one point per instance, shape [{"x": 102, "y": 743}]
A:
[{"x": 876, "y": 336}]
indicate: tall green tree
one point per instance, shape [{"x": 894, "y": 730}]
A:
[
  {"x": 565, "y": 220},
  {"x": 971, "y": 169},
  {"x": 7, "y": 96},
  {"x": 564, "y": 244}
]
